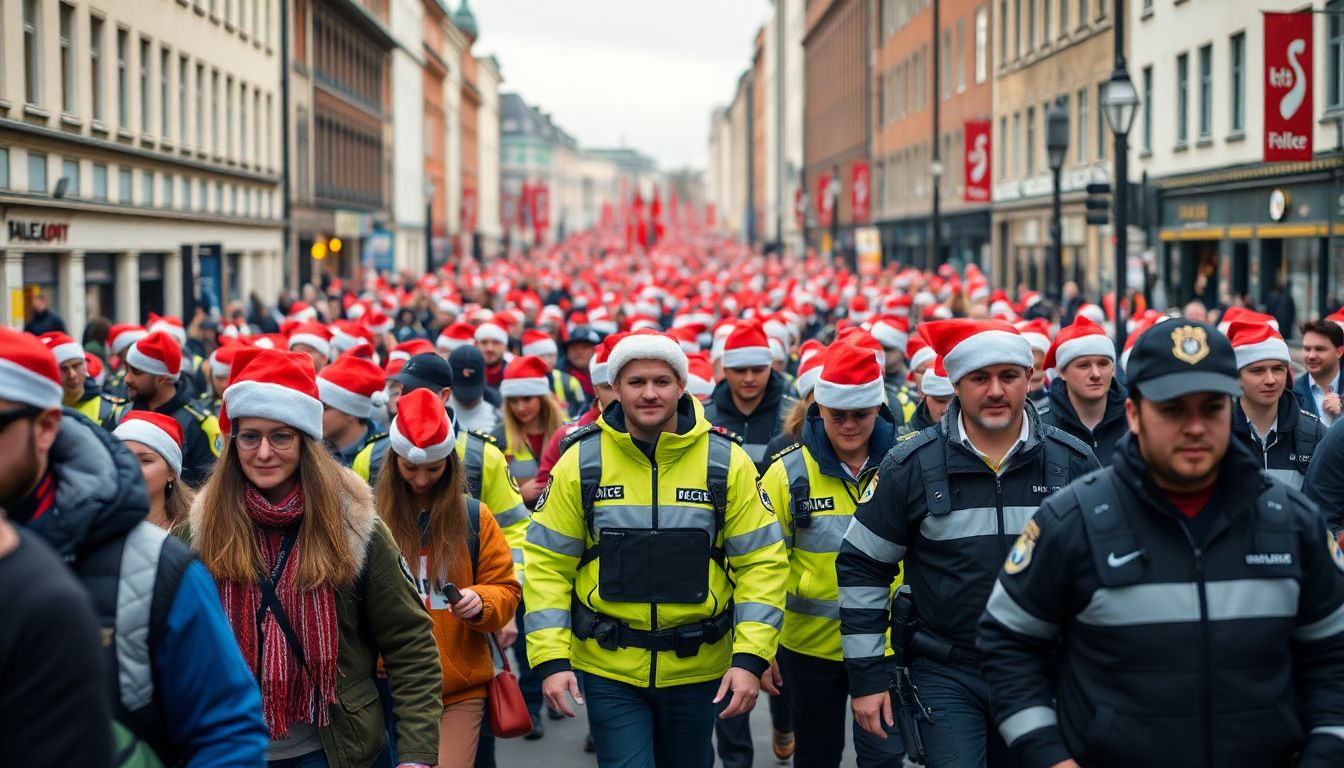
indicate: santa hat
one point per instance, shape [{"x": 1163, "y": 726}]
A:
[
  {"x": 302, "y": 312},
  {"x": 1092, "y": 312},
  {"x": 1336, "y": 317},
  {"x": 377, "y": 322},
  {"x": 275, "y": 385},
  {"x": 700, "y": 375},
  {"x": 123, "y": 335},
  {"x": 746, "y": 347},
  {"x": 935, "y": 382},
  {"x": 312, "y": 334},
  {"x": 688, "y": 338},
  {"x": 1036, "y": 332},
  {"x": 1081, "y": 339},
  {"x": 893, "y": 332},
  {"x": 969, "y": 345},
  {"x": 28, "y": 371},
  {"x": 1139, "y": 328},
  {"x": 1242, "y": 314},
  {"x": 398, "y": 355},
  {"x": 859, "y": 310},
  {"x": 350, "y": 384},
  {"x": 539, "y": 343},
  {"x": 778, "y": 352},
  {"x": 454, "y": 336},
  {"x": 169, "y": 325},
  {"x": 62, "y": 346},
  {"x": 493, "y": 330},
  {"x": 348, "y": 334},
  {"x": 808, "y": 349},
  {"x": 598, "y": 369},
  {"x": 157, "y": 354},
  {"x": 648, "y": 345},
  {"x": 421, "y": 433},
  {"x": 809, "y": 372},
  {"x": 94, "y": 364},
  {"x": 1256, "y": 342},
  {"x": 158, "y": 431},
  {"x": 858, "y": 336},
  {"x": 526, "y": 377},
  {"x": 221, "y": 360},
  {"x": 918, "y": 351},
  {"x": 851, "y": 379}
]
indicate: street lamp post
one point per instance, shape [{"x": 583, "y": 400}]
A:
[
  {"x": 429, "y": 227},
  {"x": 1056, "y": 147},
  {"x": 1120, "y": 103}
]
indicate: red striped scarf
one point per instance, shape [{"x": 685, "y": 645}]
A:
[{"x": 290, "y": 692}]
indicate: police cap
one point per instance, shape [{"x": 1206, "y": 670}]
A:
[{"x": 1182, "y": 357}]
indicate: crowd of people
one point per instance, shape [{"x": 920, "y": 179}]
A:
[{"x": 904, "y": 503}]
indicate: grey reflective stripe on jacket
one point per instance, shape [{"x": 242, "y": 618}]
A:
[
  {"x": 524, "y": 469},
  {"x": 475, "y": 464},
  {"x": 135, "y": 597}
]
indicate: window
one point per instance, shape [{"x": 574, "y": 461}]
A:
[
  {"x": 184, "y": 187},
  {"x": 981, "y": 45},
  {"x": 1237, "y": 54},
  {"x": 1182, "y": 98},
  {"x": 1103, "y": 131},
  {"x": 959, "y": 55},
  {"x": 167, "y": 201},
  {"x": 945, "y": 75},
  {"x": 200, "y": 107},
  {"x": 123, "y": 84},
  {"x": 165, "y": 78},
  {"x": 228, "y": 116},
  {"x": 214, "y": 113},
  {"x": 1206, "y": 92},
  {"x": 70, "y": 172},
  {"x": 1045, "y": 20},
  {"x": 1017, "y": 145},
  {"x": 183, "y": 67},
  {"x": 124, "y": 186},
  {"x": 1334, "y": 59},
  {"x": 144, "y": 85},
  {"x": 1082, "y": 13},
  {"x": 1031, "y": 140},
  {"x": 1063, "y": 17},
  {"x": 1017, "y": 29},
  {"x": 37, "y": 172},
  {"x": 242, "y": 123},
  {"x": 32, "y": 52},
  {"x": 96, "y": 66},
  {"x": 69, "y": 101},
  {"x": 147, "y": 188},
  {"x": 1031, "y": 25},
  {"x": 1003, "y": 32},
  {"x": 99, "y": 181},
  {"x": 4, "y": 167},
  {"x": 1083, "y": 136},
  {"x": 1147, "y": 107}
]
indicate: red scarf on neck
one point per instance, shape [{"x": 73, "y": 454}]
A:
[{"x": 290, "y": 692}]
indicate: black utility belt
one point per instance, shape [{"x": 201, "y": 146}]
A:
[
  {"x": 612, "y": 634},
  {"x": 930, "y": 646}
]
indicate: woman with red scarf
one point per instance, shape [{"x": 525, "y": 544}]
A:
[{"x": 312, "y": 580}]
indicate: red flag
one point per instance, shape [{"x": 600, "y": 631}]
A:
[
  {"x": 641, "y": 226},
  {"x": 824, "y": 201},
  {"x": 860, "y": 192},
  {"x": 1288, "y": 88},
  {"x": 525, "y": 207},
  {"x": 711, "y": 217},
  {"x": 978, "y": 179},
  {"x": 799, "y": 207},
  {"x": 656, "y": 217}
]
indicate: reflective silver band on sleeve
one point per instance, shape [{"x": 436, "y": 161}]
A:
[
  {"x": 1007, "y": 612},
  {"x": 759, "y": 613},
  {"x": 863, "y": 646},
  {"x": 555, "y": 541},
  {"x": 1319, "y": 630},
  {"x": 872, "y": 545},
  {"x": 546, "y": 618},
  {"x": 1025, "y": 721}
]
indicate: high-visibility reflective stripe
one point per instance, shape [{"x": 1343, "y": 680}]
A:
[
  {"x": 1007, "y": 612},
  {"x": 1330, "y": 730},
  {"x": 742, "y": 544},
  {"x": 517, "y": 556},
  {"x": 755, "y": 450},
  {"x": 1024, "y": 722},
  {"x": 863, "y": 646},
  {"x": 975, "y": 521},
  {"x": 590, "y": 454},
  {"x": 824, "y": 536},
  {"x": 546, "y": 618},
  {"x": 759, "y": 613},
  {"x": 872, "y": 545},
  {"x": 1319, "y": 630},
  {"x": 523, "y": 468},
  {"x": 678, "y": 516},
  {"x": 1289, "y": 477},
  {"x": 512, "y": 516},
  {"x": 1178, "y": 602},
  {"x": 554, "y": 541},
  {"x": 822, "y": 609},
  {"x": 865, "y": 598}
]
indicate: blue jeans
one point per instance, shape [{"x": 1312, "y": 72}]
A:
[
  {"x": 963, "y": 734},
  {"x": 820, "y": 709},
  {"x": 637, "y": 727},
  {"x": 316, "y": 759}
]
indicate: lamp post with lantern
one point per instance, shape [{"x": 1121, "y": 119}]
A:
[
  {"x": 1056, "y": 147},
  {"x": 1120, "y": 103}
]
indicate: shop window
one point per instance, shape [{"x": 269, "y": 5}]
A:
[{"x": 37, "y": 173}]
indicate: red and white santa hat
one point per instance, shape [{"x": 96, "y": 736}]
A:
[
  {"x": 62, "y": 346},
  {"x": 1234, "y": 314},
  {"x": 97, "y": 371},
  {"x": 123, "y": 335},
  {"x": 935, "y": 382},
  {"x": 311, "y": 334},
  {"x": 29, "y": 373},
  {"x": 526, "y": 376},
  {"x": 158, "y": 431},
  {"x": 969, "y": 345},
  {"x": 157, "y": 354},
  {"x": 1336, "y": 317},
  {"x": 349, "y": 385},
  {"x": 809, "y": 372},
  {"x": 275, "y": 385},
  {"x": 1093, "y": 312},
  {"x": 539, "y": 343},
  {"x": 221, "y": 360},
  {"x": 917, "y": 351},
  {"x": 1036, "y": 332},
  {"x": 454, "y": 336},
  {"x": 493, "y": 330},
  {"x": 421, "y": 433},
  {"x": 377, "y": 322},
  {"x": 700, "y": 372},
  {"x": 746, "y": 347},
  {"x": 1255, "y": 342},
  {"x": 649, "y": 345},
  {"x": 688, "y": 338},
  {"x": 1081, "y": 339},
  {"x": 1151, "y": 318},
  {"x": 398, "y": 355},
  {"x": 852, "y": 378},
  {"x": 859, "y": 309},
  {"x": 348, "y": 334},
  {"x": 169, "y": 325},
  {"x": 892, "y": 331}
]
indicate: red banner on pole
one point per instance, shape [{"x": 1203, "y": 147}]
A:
[
  {"x": 1289, "y": 118},
  {"x": 860, "y": 192},
  {"x": 978, "y": 178},
  {"x": 799, "y": 207},
  {"x": 541, "y": 207},
  {"x": 824, "y": 201},
  {"x": 467, "y": 213}
]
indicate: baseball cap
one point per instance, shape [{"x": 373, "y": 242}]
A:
[
  {"x": 1181, "y": 357},
  {"x": 424, "y": 371},
  {"x": 584, "y": 334},
  {"x": 468, "y": 366}
]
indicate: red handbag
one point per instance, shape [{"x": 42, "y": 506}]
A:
[{"x": 509, "y": 717}]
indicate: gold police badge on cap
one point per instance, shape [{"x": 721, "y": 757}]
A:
[{"x": 1190, "y": 344}]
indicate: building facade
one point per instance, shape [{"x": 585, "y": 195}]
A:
[
  {"x": 488, "y": 79},
  {"x": 411, "y": 25},
  {"x": 137, "y": 173}
]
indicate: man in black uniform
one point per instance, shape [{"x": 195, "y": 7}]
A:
[
  {"x": 153, "y": 370},
  {"x": 1267, "y": 418},
  {"x": 949, "y": 500},
  {"x": 752, "y": 400},
  {"x": 1087, "y": 400},
  {"x": 1189, "y": 607}
]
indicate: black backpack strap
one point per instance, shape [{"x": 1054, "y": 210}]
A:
[
  {"x": 716, "y": 478},
  {"x": 800, "y": 487},
  {"x": 1109, "y": 534},
  {"x": 590, "y": 477},
  {"x": 474, "y": 461},
  {"x": 929, "y": 452},
  {"x": 271, "y": 602}
]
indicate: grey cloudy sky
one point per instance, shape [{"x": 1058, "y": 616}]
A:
[{"x": 646, "y": 72}]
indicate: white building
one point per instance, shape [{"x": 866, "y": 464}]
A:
[
  {"x": 139, "y": 154},
  {"x": 488, "y": 79},
  {"x": 408, "y": 129},
  {"x": 718, "y": 170}
]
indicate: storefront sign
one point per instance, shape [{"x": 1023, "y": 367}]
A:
[
  {"x": 860, "y": 192},
  {"x": 978, "y": 181},
  {"x": 42, "y": 232},
  {"x": 868, "y": 248},
  {"x": 1288, "y": 88},
  {"x": 1192, "y": 213}
]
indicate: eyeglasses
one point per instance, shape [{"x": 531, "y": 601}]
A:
[
  {"x": 17, "y": 414},
  {"x": 250, "y": 440}
]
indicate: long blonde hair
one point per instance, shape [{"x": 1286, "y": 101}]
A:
[
  {"x": 177, "y": 503},
  {"x": 793, "y": 423},
  {"x": 446, "y": 533},
  {"x": 225, "y": 538},
  {"x": 552, "y": 418}
]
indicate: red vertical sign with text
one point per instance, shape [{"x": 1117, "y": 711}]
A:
[
  {"x": 860, "y": 192},
  {"x": 824, "y": 201},
  {"x": 799, "y": 207},
  {"x": 978, "y": 178},
  {"x": 1288, "y": 94}
]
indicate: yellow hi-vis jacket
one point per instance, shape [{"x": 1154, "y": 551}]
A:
[{"x": 635, "y": 495}]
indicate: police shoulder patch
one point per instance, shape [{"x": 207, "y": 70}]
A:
[
  {"x": 790, "y": 449},
  {"x": 113, "y": 399},
  {"x": 486, "y": 436},
  {"x": 1335, "y": 553},
  {"x": 219, "y": 444},
  {"x": 736, "y": 438},
  {"x": 1020, "y": 555},
  {"x": 870, "y": 490},
  {"x": 541, "y": 499},
  {"x": 765, "y": 497}
]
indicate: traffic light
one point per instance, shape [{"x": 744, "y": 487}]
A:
[{"x": 1098, "y": 203}]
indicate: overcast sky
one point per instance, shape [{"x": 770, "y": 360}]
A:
[{"x": 645, "y": 73}]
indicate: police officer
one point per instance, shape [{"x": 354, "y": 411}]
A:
[
  {"x": 565, "y": 387},
  {"x": 1086, "y": 400},
  {"x": 937, "y": 397},
  {"x": 813, "y": 486},
  {"x": 752, "y": 400},
  {"x": 219, "y": 364},
  {"x": 78, "y": 390},
  {"x": 893, "y": 333},
  {"x": 153, "y": 370},
  {"x": 1190, "y": 607},
  {"x": 348, "y": 389},
  {"x": 949, "y": 500},
  {"x": 654, "y": 566},
  {"x": 1267, "y": 418}
]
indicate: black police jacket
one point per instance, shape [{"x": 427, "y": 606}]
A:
[
  {"x": 198, "y": 452},
  {"x": 759, "y": 427},
  {"x": 1287, "y": 450},
  {"x": 1216, "y": 641},
  {"x": 919, "y": 420},
  {"x": 1058, "y": 411},
  {"x": 952, "y": 556}
]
